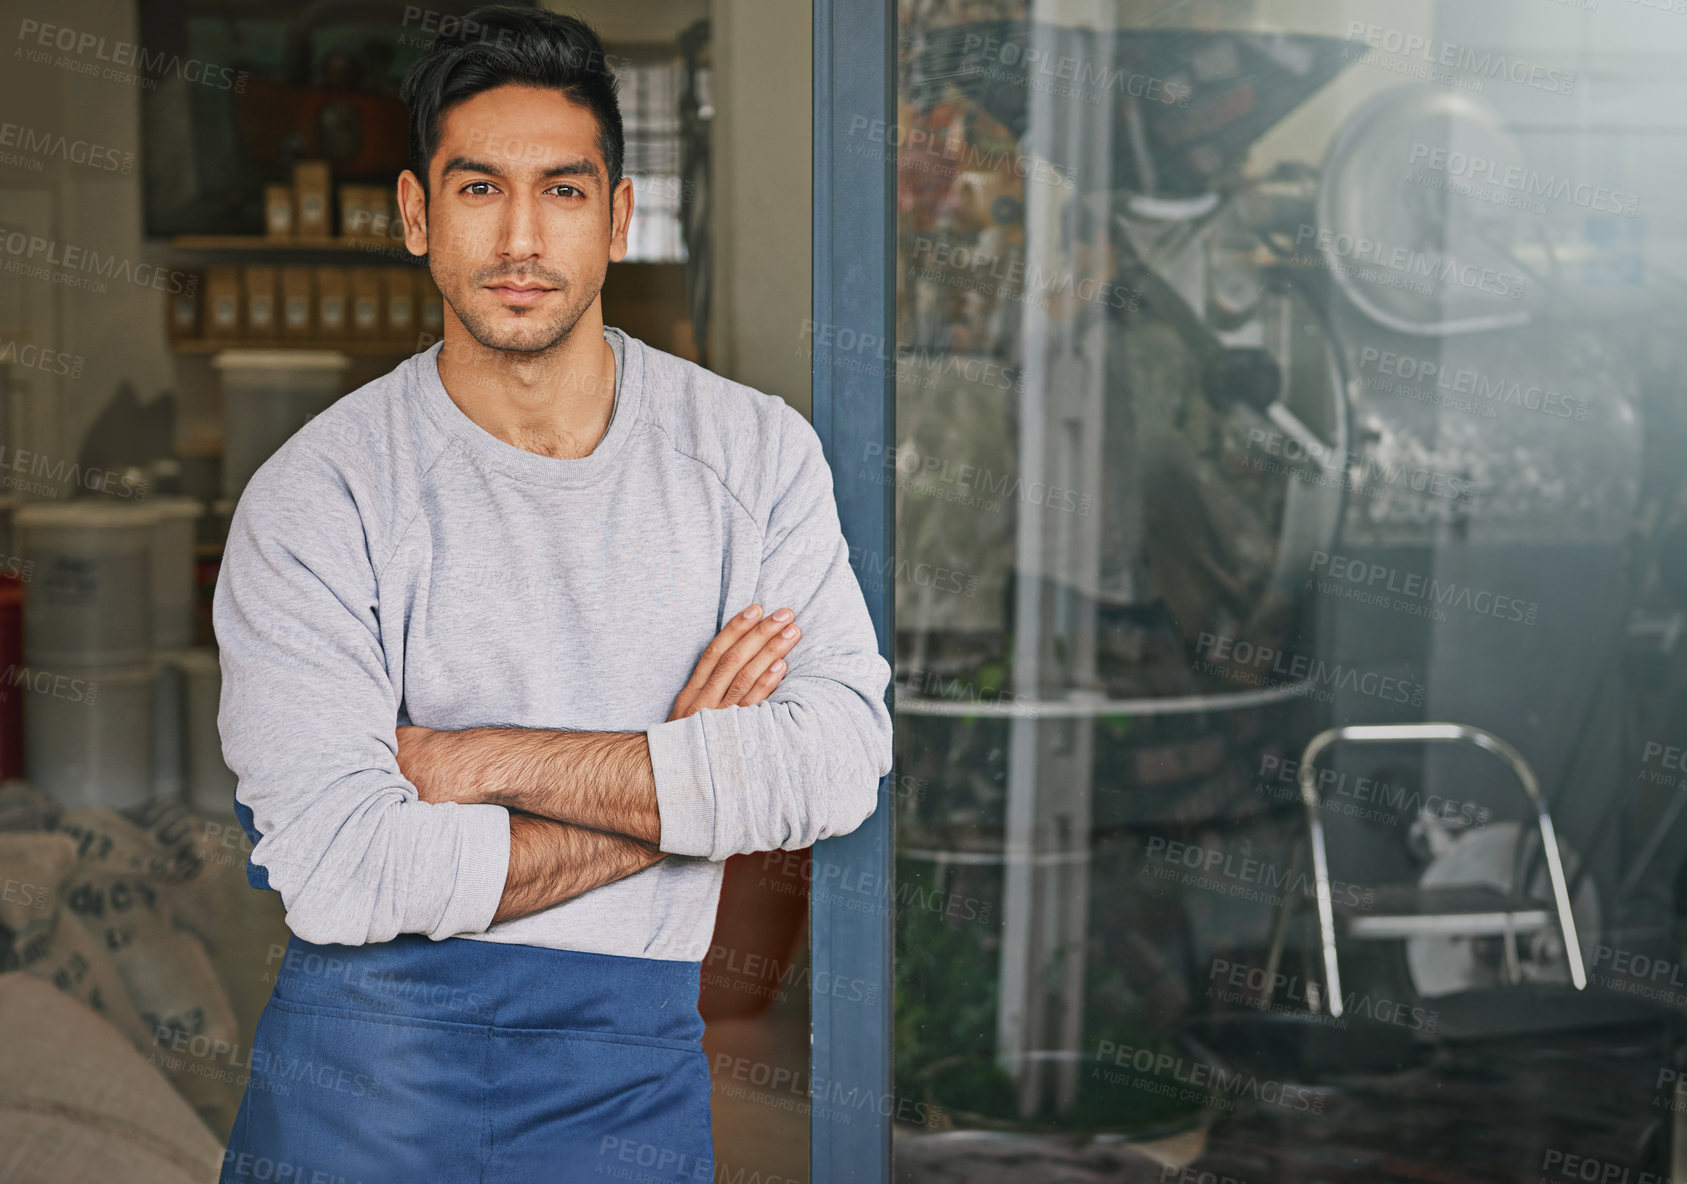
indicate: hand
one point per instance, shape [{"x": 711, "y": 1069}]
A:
[
  {"x": 742, "y": 665},
  {"x": 415, "y": 758}
]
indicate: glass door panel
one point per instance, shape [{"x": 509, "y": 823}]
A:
[{"x": 1291, "y": 528}]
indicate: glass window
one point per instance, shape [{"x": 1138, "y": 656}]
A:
[
  {"x": 1291, "y": 601},
  {"x": 650, "y": 117}
]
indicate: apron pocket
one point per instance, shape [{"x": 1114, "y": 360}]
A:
[
  {"x": 362, "y": 1099},
  {"x": 607, "y": 1105}
]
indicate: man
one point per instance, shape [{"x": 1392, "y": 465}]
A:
[{"x": 455, "y": 611}]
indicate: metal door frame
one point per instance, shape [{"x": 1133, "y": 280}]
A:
[{"x": 853, "y": 342}]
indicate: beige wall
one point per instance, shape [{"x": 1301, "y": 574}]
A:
[
  {"x": 763, "y": 128},
  {"x": 634, "y": 20},
  {"x": 118, "y": 334}
]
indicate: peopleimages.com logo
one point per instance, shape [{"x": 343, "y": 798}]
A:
[
  {"x": 1452, "y": 59},
  {"x": 1229, "y": 654},
  {"x": 1193, "y": 1079},
  {"x": 39, "y": 254},
  {"x": 125, "y": 61},
  {"x": 1420, "y": 268}
]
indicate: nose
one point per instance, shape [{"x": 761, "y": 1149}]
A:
[{"x": 522, "y": 237}]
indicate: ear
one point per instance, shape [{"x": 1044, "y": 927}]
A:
[
  {"x": 413, "y": 209},
  {"x": 620, "y": 216}
]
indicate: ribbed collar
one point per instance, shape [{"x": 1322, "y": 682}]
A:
[{"x": 530, "y": 466}]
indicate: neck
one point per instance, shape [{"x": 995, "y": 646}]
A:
[{"x": 556, "y": 403}]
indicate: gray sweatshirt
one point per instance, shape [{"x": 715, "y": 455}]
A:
[{"x": 395, "y": 563}]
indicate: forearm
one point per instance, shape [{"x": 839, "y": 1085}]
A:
[
  {"x": 782, "y": 775},
  {"x": 551, "y": 862},
  {"x": 601, "y": 780}
]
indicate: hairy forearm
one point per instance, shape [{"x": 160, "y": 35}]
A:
[
  {"x": 551, "y": 862},
  {"x": 601, "y": 780}
]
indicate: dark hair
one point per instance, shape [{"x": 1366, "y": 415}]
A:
[{"x": 502, "y": 45}]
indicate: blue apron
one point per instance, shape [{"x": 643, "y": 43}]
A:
[{"x": 462, "y": 1061}]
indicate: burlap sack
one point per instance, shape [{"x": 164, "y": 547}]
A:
[
  {"x": 72, "y": 957},
  {"x": 205, "y": 860},
  {"x": 79, "y": 1106},
  {"x": 131, "y": 882},
  {"x": 188, "y": 1027},
  {"x": 23, "y": 807},
  {"x": 191, "y": 1031},
  {"x": 31, "y": 865},
  {"x": 161, "y": 845}
]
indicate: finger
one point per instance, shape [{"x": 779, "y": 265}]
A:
[
  {"x": 751, "y": 671},
  {"x": 713, "y": 652},
  {"x": 722, "y": 643},
  {"x": 764, "y": 686},
  {"x": 742, "y": 651},
  {"x": 714, "y": 687},
  {"x": 749, "y": 688}
]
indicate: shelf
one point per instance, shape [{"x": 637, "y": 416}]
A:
[
  {"x": 1088, "y": 707},
  {"x": 334, "y": 244},
  {"x": 993, "y": 858},
  {"x": 357, "y": 347}
]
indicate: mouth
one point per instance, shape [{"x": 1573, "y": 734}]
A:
[{"x": 523, "y": 293}]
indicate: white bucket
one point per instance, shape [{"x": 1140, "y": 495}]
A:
[
  {"x": 173, "y": 538},
  {"x": 210, "y": 783},
  {"x": 89, "y": 603},
  {"x": 267, "y": 396},
  {"x": 88, "y": 734}
]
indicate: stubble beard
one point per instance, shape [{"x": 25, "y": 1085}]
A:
[{"x": 527, "y": 335}]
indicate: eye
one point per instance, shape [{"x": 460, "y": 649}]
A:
[
  {"x": 571, "y": 191},
  {"x": 478, "y": 188}
]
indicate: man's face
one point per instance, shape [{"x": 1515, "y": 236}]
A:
[{"x": 521, "y": 224}]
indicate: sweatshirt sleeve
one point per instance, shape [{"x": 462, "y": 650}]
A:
[
  {"x": 308, "y": 719},
  {"x": 806, "y": 763}
]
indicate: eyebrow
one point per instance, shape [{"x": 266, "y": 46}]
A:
[{"x": 583, "y": 167}]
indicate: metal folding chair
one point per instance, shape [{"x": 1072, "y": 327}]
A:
[{"x": 1411, "y": 910}]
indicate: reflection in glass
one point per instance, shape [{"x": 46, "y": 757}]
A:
[{"x": 1265, "y": 370}]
